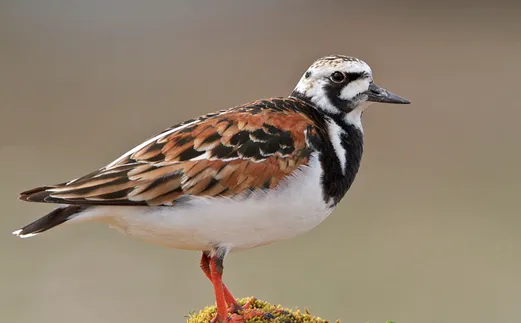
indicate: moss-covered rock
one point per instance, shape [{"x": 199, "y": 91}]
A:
[{"x": 280, "y": 314}]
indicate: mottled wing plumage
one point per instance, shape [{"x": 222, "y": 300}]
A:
[{"x": 226, "y": 153}]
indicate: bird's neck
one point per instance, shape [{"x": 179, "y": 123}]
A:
[
  {"x": 340, "y": 147},
  {"x": 341, "y": 159}
]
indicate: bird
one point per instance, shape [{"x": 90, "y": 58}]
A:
[{"x": 234, "y": 179}]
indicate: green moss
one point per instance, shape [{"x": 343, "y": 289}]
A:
[{"x": 282, "y": 315}]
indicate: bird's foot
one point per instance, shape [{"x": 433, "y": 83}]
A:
[
  {"x": 241, "y": 314},
  {"x": 235, "y": 308}
]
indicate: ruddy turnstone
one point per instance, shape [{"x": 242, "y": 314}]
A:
[{"x": 233, "y": 179}]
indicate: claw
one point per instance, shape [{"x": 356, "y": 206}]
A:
[
  {"x": 249, "y": 303},
  {"x": 234, "y": 309},
  {"x": 242, "y": 314}
]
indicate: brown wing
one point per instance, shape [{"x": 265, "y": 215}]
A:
[{"x": 227, "y": 153}]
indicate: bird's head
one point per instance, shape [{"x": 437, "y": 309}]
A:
[{"x": 340, "y": 85}]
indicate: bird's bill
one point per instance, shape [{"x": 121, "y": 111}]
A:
[{"x": 378, "y": 94}]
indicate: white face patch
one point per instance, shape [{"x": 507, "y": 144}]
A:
[
  {"x": 314, "y": 89},
  {"x": 354, "y": 88}
]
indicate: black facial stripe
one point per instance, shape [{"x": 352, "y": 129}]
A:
[
  {"x": 332, "y": 91},
  {"x": 350, "y": 77}
]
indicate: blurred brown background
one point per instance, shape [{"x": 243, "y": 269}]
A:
[{"x": 430, "y": 232}]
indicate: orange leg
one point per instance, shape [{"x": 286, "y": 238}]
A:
[
  {"x": 216, "y": 271},
  {"x": 233, "y": 306},
  {"x": 213, "y": 269}
]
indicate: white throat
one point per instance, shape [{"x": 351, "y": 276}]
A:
[{"x": 355, "y": 117}]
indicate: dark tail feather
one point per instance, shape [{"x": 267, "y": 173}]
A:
[
  {"x": 56, "y": 217},
  {"x": 39, "y": 194}
]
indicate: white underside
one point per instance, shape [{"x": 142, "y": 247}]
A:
[{"x": 199, "y": 223}]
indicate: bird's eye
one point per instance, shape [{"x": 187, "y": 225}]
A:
[{"x": 337, "y": 77}]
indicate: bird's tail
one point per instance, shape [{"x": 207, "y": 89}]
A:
[{"x": 58, "y": 216}]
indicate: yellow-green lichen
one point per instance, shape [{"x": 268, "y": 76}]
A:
[{"x": 280, "y": 314}]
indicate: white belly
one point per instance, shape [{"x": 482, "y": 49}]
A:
[{"x": 199, "y": 223}]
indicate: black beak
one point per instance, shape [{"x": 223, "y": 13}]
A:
[{"x": 377, "y": 94}]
